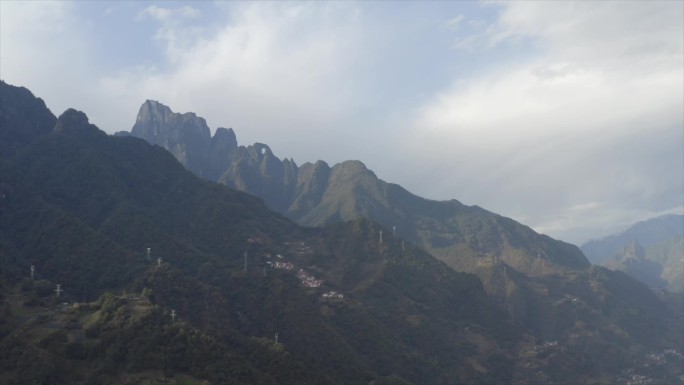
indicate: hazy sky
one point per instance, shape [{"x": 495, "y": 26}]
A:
[{"x": 566, "y": 116}]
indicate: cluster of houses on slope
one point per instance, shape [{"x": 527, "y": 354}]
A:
[
  {"x": 281, "y": 265},
  {"x": 332, "y": 294},
  {"x": 306, "y": 279}
]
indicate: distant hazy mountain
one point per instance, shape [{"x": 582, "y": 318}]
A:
[
  {"x": 651, "y": 251},
  {"x": 670, "y": 255},
  {"x": 187, "y": 137},
  {"x": 632, "y": 260},
  {"x": 648, "y": 233}
]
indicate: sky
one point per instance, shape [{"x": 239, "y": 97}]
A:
[{"x": 565, "y": 116}]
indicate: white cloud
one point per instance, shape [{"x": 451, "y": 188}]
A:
[
  {"x": 40, "y": 50},
  {"x": 168, "y": 14},
  {"x": 589, "y": 118},
  {"x": 276, "y": 70},
  {"x": 454, "y": 23},
  {"x": 175, "y": 29},
  {"x": 597, "y": 221},
  {"x": 626, "y": 58},
  {"x": 543, "y": 110}
]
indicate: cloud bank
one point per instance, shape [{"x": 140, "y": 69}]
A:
[{"x": 583, "y": 137}]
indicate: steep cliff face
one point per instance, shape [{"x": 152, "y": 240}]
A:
[
  {"x": 312, "y": 182},
  {"x": 255, "y": 170},
  {"x": 221, "y": 148},
  {"x": 186, "y": 136}
]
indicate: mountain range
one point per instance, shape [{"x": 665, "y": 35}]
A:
[
  {"x": 466, "y": 238},
  {"x": 525, "y": 272},
  {"x": 315, "y": 194},
  {"x": 167, "y": 276},
  {"x": 83, "y": 208}
]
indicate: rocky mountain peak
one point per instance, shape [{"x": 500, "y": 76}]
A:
[
  {"x": 152, "y": 110},
  {"x": 158, "y": 124},
  {"x": 308, "y": 168},
  {"x": 186, "y": 136},
  {"x": 353, "y": 165},
  {"x": 224, "y": 138},
  {"x": 260, "y": 151},
  {"x": 350, "y": 169},
  {"x": 73, "y": 121}
]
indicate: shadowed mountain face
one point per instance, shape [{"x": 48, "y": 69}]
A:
[{"x": 186, "y": 136}]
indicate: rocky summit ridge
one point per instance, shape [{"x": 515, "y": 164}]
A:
[
  {"x": 186, "y": 136},
  {"x": 315, "y": 194}
]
